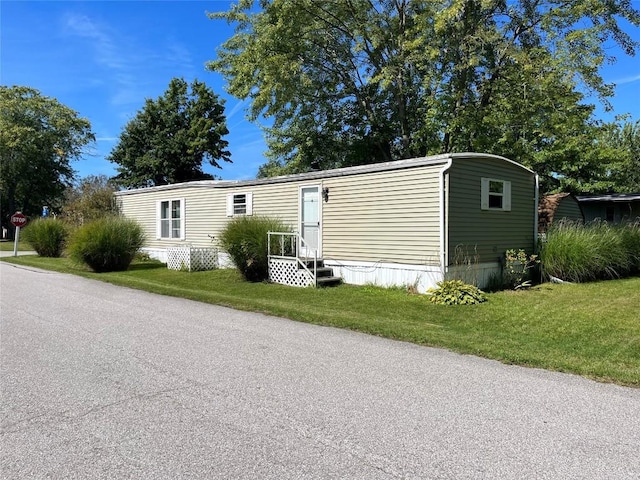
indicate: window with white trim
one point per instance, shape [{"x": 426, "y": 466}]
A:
[
  {"x": 239, "y": 204},
  {"x": 170, "y": 218},
  {"x": 496, "y": 194}
]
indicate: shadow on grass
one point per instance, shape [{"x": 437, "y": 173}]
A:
[{"x": 147, "y": 266}]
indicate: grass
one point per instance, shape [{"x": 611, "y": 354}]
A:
[
  {"x": 590, "y": 329},
  {"x": 7, "y": 246}
]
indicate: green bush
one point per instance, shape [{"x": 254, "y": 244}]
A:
[
  {"x": 245, "y": 240},
  {"x": 47, "y": 236},
  {"x": 596, "y": 251},
  {"x": 107, "y": 244},
  {"x": 456, "y": 292}
]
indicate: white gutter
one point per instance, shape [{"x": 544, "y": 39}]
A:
[{"x": 444, "y": 254}]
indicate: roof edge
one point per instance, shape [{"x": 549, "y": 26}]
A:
[
  {"x": 320, "y": 174},
  {"x": 609, "y": 197}
]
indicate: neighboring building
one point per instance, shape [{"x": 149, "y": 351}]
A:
[
  {"x": 408, "y": 222},
  {"x": 556, "y": 208},
  {"x": 612, "y": 208}
]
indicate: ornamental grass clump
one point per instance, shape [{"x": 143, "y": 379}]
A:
[
  {"x": 245, "y": 239},
  {"x": 107, "y": 244},
  {"x": 596, "y": 251},
  {"x": 630, "y": 234},
  {"x": 456, "y": 292},
  {"x": 47, "y": 236}
]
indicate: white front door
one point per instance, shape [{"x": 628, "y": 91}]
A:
[{"x": 310, "y": 220}]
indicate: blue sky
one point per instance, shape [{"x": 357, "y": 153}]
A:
[{"x": 103, "y": 58}]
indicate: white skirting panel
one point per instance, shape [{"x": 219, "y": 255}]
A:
[
  {"x": 420, "y": 277},
  {"x": 157, "y": 253},
  {"x": 192, "y": 258},
  {"x": 224, "y": 260}
]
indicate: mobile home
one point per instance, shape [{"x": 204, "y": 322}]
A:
[{"x": 407, "y": 222}]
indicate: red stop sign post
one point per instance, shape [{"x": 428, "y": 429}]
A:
[{"x": 18, "y": 220}]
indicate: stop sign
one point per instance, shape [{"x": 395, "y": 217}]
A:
[{"x": 18, "y": 220}]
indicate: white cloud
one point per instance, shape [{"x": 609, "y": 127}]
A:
[
  {"x": 179, "y": 58},
  {"x": 622, "y": 81},
  {"x": 236, "y": 108},
  {"x": 115, "y": 59},
  {"x": 131, "y": 69},
  {"x": 108, "y": 53}
]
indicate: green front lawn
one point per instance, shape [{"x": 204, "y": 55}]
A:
[
  {"x": 7, "y": 246},
  {"x": 590, "y": 329}
]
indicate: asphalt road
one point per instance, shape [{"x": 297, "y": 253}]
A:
[{"x": 106, "y": 382}]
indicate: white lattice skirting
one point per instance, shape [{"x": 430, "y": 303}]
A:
[
  {"x": 192, "y": 258},
  {"x": 286, "y": 272}
]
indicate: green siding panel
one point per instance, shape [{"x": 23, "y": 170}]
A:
[
  {"x": 487, "y": 234},
  {"x": 568, "y": 209}
]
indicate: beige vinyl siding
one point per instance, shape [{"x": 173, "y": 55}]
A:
[
  {"x": 204, "y": 213},
  {"x": 388, "y": 216},
  {"x": 276, "y": 200},
  {"x": 488, "y": 233},
  {"x": 141, "y": 208},
  {"x": 205, "y": 209}
]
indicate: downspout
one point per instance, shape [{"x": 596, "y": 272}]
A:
[
  {"x": 444, "y": 194},
  {"x": 535, "y": 215}
]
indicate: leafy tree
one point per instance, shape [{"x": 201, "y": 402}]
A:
[
  {"x": 88, "y": 199},
  {"x": 169, "y": 139},
  {"x": 577, "y": 162},
  {"x": 603, "y": 158},
  {"x": 39, "y": 137},
  {"x": 626, "y": 164},
  {"x": 350, "y": 82}
]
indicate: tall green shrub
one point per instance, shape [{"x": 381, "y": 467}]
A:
[
  {"x": 597, "y": 251},
  {"x": 46, "y": 236},
  {"x": 107, "y": 244},
  {"x": 245, "y": 240}
]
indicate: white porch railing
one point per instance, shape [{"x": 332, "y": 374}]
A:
[{"x": 286, "y": 266}]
